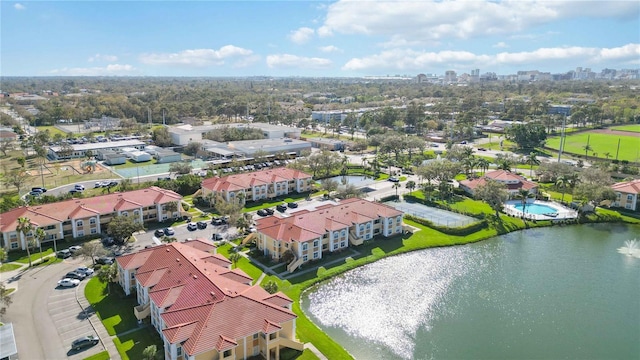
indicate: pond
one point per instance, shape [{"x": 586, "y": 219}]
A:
[
  {"x": 355, "y": 180},
  {"x": 562, "y": 292}
]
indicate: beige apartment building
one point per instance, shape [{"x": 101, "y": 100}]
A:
[{"x": 627, "y": 194}]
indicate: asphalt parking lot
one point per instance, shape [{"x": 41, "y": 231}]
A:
[
  {"x": 182, "y": 233},
  {"x": 70, "y": 320}
]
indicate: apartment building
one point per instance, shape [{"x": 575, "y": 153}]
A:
[
  {"x": 203, "y": 309},
  {"x": 258, "y": 185},
  {"x": 331, "y": 227},
  {"x": 627, "y": 194},
  {"x": 76, "y": 218}
]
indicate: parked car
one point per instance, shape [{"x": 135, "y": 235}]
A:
[
  {"x": 292, "y": 205},
  {"x": 68, "y": 282},
  {"x": 262, "y": 212},
  {"x": 158, "y": 233},
  {"x": 252, "y": 229},
  {"x": 192, "y": 227},
  {"x": 63, "y": 254},
  {"x": 39, "y": 189},
  {"x": 281, "y": 207},
  {"x": 482, "y": 149},
  {"x": 35, "y": 193},
  {"x": 269, "y": 211},
  {"x": 85, "y": 270},
  {"x": 84, "y": 342},
  {"x": 105, "y": 260},
  {"x": 75, "y": 275},
  {"x": 112, "y": 183},
  {"x": 74, "y": 191},
  {"x": 169, "y": 231},
  {"x": 218, "y": 237},
  {"x": 79, "y": 187},
  {"x": 108, "y": 241},
  {"x": 394, "y": 179},
  {"x": 216, "y": 221},
  {"x": 75, "y": 248},
  {"x": 201, "y": 225}
]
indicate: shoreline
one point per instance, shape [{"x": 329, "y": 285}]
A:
[{"x": 308, "y": 331}]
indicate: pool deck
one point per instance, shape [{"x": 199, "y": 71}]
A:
[{"x": 562, "y": 213}]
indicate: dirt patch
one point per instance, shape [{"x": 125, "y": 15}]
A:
[{"x": 615, "y": 132}]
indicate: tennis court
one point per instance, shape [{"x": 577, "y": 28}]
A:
[{"x": 435, "y": 215}]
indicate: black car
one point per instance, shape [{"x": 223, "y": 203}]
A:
[
  {"x": 108, "y": 241},
  {"x": 75, "y": 275},
  {"x": 262, "y": 212},
  {"x": 84, "y": 342},
  {"x": 39, "y": 189},
  {"x": 201, "y": 225},
  {"x": 269, "y": 211},
  {"x": 292, "y": 205},
  {"x": 281, "y": 208},
  {"x": 112, "y": 183},
  {"x": 104, "y": 260},
  {"x": 218, "y": 237},
  {"x": 158, "y": 233}
]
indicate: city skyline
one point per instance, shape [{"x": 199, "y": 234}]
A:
[{"x": 336, "y": 39}]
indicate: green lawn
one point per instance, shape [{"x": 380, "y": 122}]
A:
[
  {"x": 9, "y": 267},
  {"x": 131, "y": 345},
  {"x": 600, "y": 144},
  {"x": 131, "y": 164},
  {"x": 253, "y": 206},
  {"x": 632, "y": 128},
  {"x": 115, "y": 311},
  {"x": 35, "y": 255},
  {"x": 52, "y": 130},
  {"x": 99, "y": 356}
]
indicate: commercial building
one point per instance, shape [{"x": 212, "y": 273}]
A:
[
  {"x": 627, "y": 194},
  {"x": 204, "y": 310},
  {"x": 327, "y": 144},
  {"x": 80, "y": 150},
  {"x": 184, "y": 134},
  {"x": 76, "y": 218},
  {"x": 308, "y": 235},
  {"x": 111, "y": 157},
  {"x": 513, "y": 182},
  {"x": 167, "y": 156},
  {"x": 287, "y": 146},
  {"x": 258, "y": 185}
]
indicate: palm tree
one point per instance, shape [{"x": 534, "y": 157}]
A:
[
  {"x": 523, "y": 195},
  {"x": 396, "y": 186},
  {"x": 234, "y": 258},
  {"x": 532, "y": 160},
  {"x": 410, "y": 185},
  {"x": 562, "y": 182},
  {"x": 428, "y": 188},
  {"x": 24, "y": 227},
  {"x": 607, "y": 155},
  {"x": 40, "y": 234},
  {"x": 586, "y": 149},
  {"x": 484, "y": 165}
]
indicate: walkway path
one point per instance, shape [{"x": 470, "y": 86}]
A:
[{"x": 105, "y": 338}]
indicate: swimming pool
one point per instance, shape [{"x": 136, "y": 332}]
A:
[{"x": 537, "y": 209}]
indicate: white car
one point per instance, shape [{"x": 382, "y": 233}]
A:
[
  {"x": 85, "y": 270},
  {"x": 79, "y": 187},
  {"x": 66, "y": 282}
]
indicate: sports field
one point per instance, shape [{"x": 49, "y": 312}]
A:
[
  {"x": 632, "y": 128},
  {"x": 602, "y": 142}
]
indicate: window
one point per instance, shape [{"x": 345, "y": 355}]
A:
[
  {"x": 226, "y": 353},
  {"x": 361, "y": 228},
  {"x": 377, "y": 221},
  {"x": 179, "y": 350},
  {"x": 399, "y": 218},
  {"x": 94, "y": 230},
  {"x": 79, "y": 223},
  {"x": 14, "y": 245},
  {"x": 316, "y": 243},
  {"x": 335, "y": 234},
  {"x": 50, "y": 227},
  {"x": 629, "y": 197},
  {"x": 335, "y": 246},
  {"x": 124, "y": 213},
  {"x": 255, "y": 336},
  {"x": 316, "y": 255},
  {"x": 343, "y": 243},
  {"x": 628, "y": 206},
  {"x": 136, "y": 213},
  {"x": 368, "y": 226},
  {"x": 80, "y": 233},
  {"x": 304, "y": 246},
  {"x": 92, "y": 221},
  {"x": 344, "y": 232},
  {"x": 305, "y": 258}
]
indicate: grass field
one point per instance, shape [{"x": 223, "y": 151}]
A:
[
  {"x": 52, "y": 130},
  {"x": 600, "y": 145},
  {"x": 632, "y": 128}
]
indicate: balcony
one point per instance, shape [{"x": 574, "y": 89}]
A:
[{"x": 142, "y": 311}]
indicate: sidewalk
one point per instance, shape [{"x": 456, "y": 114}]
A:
[{"x": 105, "y": 338}]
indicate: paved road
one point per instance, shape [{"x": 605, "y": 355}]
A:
[{"x": 45, "y": 319}]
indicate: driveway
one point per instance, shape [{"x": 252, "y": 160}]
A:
[{"x": 46, "y": 319}]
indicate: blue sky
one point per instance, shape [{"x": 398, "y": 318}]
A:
[{"x": 308, "y": 38}]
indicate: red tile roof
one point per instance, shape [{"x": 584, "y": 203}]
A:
[
  {"x": 249, "y": 180},
  {"x": 628, "y": 187},
  {"x": 309, "y": 225},
  {"x": 54, "y": 213},
  {"x": 502, "y": 176},
  {"x": 206, "y": 306}
]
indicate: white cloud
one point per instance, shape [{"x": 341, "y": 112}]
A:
[
  {"x": 196, "y": 57},
  {"x": 500, "y": 45},
  {"x": 19, "y": 6},
  {"x": 103, "y": 57},
  {"x": 329, "y": 49},
  {"x": 301, "y": 35},
  {"x": 434, "y": 20},
  {"x": 406, "y": 59},
  {"x": 293, "y": 61},
  {"x": 109, "y": 70}
]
